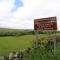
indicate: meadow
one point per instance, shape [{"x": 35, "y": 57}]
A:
[
  {"x": 18, "y": 42},
  {"x": 9, "y": 43}
]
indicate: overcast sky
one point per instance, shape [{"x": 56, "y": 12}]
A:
[{"x": 20, "y": 14}]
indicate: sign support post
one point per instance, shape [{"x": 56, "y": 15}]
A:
[
  {"x": 54, "y": 39},
  {"x": 37, "y": 36},
  {"x": 50, "y": 24}
]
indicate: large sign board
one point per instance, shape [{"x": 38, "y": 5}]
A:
[{"x": 49, "y": 23}]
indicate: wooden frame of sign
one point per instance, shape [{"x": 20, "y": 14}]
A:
[{"x": 49, "y": 24}]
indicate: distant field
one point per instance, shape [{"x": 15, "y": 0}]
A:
[{"x": 9, "y": 43}]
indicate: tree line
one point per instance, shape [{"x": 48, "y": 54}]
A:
[{"x": 20, "y": 33}]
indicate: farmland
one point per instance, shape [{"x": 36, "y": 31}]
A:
[{"x": 19, "y": 42}]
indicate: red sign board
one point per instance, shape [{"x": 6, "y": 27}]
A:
[{"x": 49, "y": 23}]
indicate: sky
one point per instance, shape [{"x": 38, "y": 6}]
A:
[{"x": 20, "y": 14}]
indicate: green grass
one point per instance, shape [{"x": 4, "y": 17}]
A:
[
  {"x": 9, "y": 43},
  {"x": 58, "y": 51},
  {"x": 17, "y": 43}
]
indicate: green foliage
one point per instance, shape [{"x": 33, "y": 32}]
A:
[
  {"x": 44, "y": 52},
  {"x": 16, "y": 32},
  {"x": 11, "y": 32},
  {"x": 58, "y": 37}
]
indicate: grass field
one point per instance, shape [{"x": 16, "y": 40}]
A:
[
  {"x": 12, "y": 43},
  {"x": 17, "y": 43},
  {"x": 8, "y": 44}
]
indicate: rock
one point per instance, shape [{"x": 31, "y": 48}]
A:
[
  {"x": 6, "y": 57},
  {"x": 2, "y": 58},
  {"x": 10, "y": 56}
]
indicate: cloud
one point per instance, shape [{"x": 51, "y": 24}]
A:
[
  {"x": 17, "y": 24},
  {"x": 31, "y": 9},
  {"x": 5, "y": 7},
  {"x": 28, "y": 10},
  {"x": 38, "y": 8}
]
